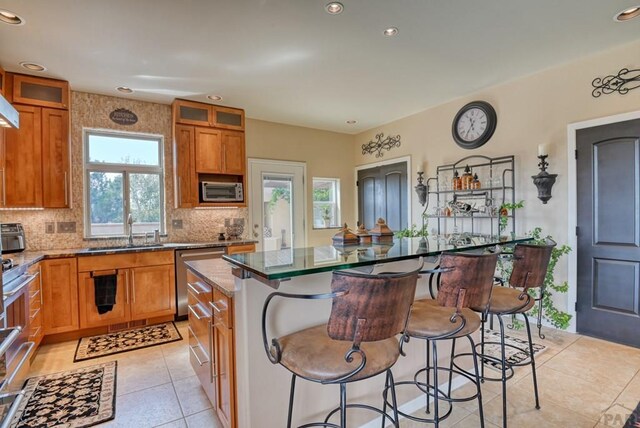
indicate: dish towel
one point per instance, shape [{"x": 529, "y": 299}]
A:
[{"x": 105, "y": 292}]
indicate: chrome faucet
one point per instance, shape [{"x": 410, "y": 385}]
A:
[{"x": 130, "y": 223}]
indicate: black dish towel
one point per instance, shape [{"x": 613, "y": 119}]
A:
[{"x": 105, "y": 292}]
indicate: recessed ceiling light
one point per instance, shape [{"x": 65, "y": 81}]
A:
[
  {"x": 627, "y": 14},
  {"x": 124, "y": 89},
  {"x": 10, "y": 18},
  {"x": 334, "y": 8},
  {"x": 32, "y": 66},
  {"x": 351, "y": 122},
  {"x": 391, "y": 31},
  {"x": 214, "y": 97}
]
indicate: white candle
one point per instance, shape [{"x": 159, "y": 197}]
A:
[
  {"x": 419, "y": 165},
  {"x": 542, "y": 150}
]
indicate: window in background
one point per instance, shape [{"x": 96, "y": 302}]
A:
[
  {"x": 326, "y": 202},
  {"x": 124, "y": 175}
]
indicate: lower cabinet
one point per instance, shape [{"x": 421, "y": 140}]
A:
[
  {"x": 60, "y": 295},
  {"x": 142, "y": 291},
  {"x": 35, "y": 324},
  {"x": 212, "y": 346}
]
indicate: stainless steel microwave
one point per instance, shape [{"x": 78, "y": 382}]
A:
[{"x": 221, "y": 192}]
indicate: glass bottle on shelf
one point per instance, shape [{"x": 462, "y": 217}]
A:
[
  {"x": 475, "y": 184},
  {"x": 466, "y": 179},
  {"x": 456, "y": 183}
]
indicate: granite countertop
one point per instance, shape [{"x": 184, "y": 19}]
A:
[
  {"x": 31, "y": 257},
  {"x": 215, "y": 272}
]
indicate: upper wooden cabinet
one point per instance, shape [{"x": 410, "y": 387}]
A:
[
  {"x": 192, "y": 113},
  {"x": 3, "y": 79},
  {"x": 22, "y": 161},
  {"x": 233, "y": 157},
  {"x": 228, "y": 118},
  {"x": 34, "y": 160},
  {"x": 39, "y": 91},
  {"x": 186, "y": 180},
  {"x": 209, "y": 151}
]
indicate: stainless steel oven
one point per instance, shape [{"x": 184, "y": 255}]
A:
[{"x": 183, "y": 256}]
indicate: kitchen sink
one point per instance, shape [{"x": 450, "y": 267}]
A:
[{"x": 123, "y": 247}]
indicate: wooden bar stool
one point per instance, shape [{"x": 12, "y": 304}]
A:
[
  {"x": 530, "y": 263},
  {"x": 358, "y": 342},
  {"x": 465, "y": 280}
]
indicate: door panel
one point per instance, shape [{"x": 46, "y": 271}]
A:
[
  {"x": 233, "y": 152},
  {"x": 89, "y": 316},
  {"x": 225, "y": 388},
  {"x": 55, "y": 158},
  {"x": 186, "y": 180},
  {"x": 382, "y": 192},
  {"x": 608, "y": 170},
  {"x": 153, "y": 292},
  {"x": 208, "y": 151}
]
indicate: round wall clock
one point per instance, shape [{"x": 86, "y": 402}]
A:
[{"x": 474, "y": 125}]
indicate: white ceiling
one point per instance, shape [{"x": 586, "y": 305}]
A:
[{"x": 289, "y": 61}]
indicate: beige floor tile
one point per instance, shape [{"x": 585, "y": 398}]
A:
[
  {"x": 489, "y": 391},
  {"x": 191, "y": 396},
  {"x": 523, "y": 414},
  {"x": 616, "y": 416},
  {"x": 570, "y": 392},
  {"x": 180, "y": 423},
  {"x": 630, "y": 396},
  {"x": 178, "y": 363},
  {"x": 206, "y": 419},
  {"x": 457, "y": 414},
  {"x": 147, "y": 408},
  {"x": 473, "y": 421},
  {"x": 616, "y": 353},
  {"x": 141, "y": 371}
]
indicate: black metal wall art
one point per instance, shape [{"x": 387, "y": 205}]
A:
[
  {"x": 379, "y": 144},
  {"x": 623, "y": 82}
]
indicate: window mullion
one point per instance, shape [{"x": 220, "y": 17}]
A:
[{"x": 125, "y": 199}]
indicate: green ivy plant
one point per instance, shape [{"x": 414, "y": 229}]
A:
[
  {"x": 556, "y": 317},
  {"x": 412, "y": 232},
  {"x": 504, "y": 219},
  {"x": 277, "y": 194}
]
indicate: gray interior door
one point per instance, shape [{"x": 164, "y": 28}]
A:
[
  {"x": 609, "y": 232},
  {"x": 382, "y": 192}
]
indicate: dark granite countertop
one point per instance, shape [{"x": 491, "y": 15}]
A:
[
  {"x": 31, "y": 257},
  {"x": 215, "y": 272}
]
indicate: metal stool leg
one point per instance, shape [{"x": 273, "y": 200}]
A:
[
  {"x": 428, "y": 405},
  {"x": 453, "y": 353},
  {"x": 474, "y": 355},
  {"x": 436, "y": 415},
  {"x": 384, "y": 397},
  {"x": 291, "y": 394},
  {"x": 484, "y": 320},
  {"x": 503, "y": 362},
  {"x": 533, "y": 362},
  {"x": 343, "y": 405},
  {"x": 394, "y": 401}
]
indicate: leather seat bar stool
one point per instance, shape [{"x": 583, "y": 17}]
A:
[
  {"x": 358, "y": 341},
  {"x": 529, "y": 270},
  {"x": 465, "y": 280}
]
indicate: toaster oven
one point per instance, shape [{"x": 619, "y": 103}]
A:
[{"x": 221, "y": 192}]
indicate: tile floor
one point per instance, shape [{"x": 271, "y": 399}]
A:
[
  {"x": 156, "y": 387},
  {"x": 583, "y": 382}
]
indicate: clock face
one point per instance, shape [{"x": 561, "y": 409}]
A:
[{"x": 474, "y": 124}]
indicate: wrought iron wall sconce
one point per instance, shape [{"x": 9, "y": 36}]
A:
[
  {"x": 544, "y": 181},
  {"x": 422, "y": 190}
]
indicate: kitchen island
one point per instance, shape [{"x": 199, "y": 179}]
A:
[{"x": 262, "y": 388}]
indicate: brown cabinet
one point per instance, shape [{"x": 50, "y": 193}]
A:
[
  {"x": 55, "y": 158},
  {"x": 39, "y": 91},
  {"x": 209, "y": 145},
  {"x": 35, "y": 159},
  {"x": 239, "y": 249},
  {"x": 60, "y": 295},
  {"x": 233, "y": 153},
  {"x": 145, "y": 287},
  {"x": 22, "y": 161},
  {"x": 36, "y": 330},
  {"x": 186, "y": 180},
  {"x": 224, "y": 374},
  {"x": 208, "y": 151},
  {"x": 3, "y": 80}
]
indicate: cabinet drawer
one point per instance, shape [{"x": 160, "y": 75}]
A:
[
  {"x": 221, "y": 307},
  {"x": 199, "y": 318},
  {"x": 123, "y": 261},
  {"x": 239, "y": 249},
  {"x": 200, "y": 359},
  {"x": 200, "y": 290}
]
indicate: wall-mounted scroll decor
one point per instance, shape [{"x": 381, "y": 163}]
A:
[
  {"x": 623, "y": 82},
  {"x": 379, "y": 144},
  {"x": 122, "y": 116}
]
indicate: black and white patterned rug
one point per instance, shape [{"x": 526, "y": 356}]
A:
[
  {"x": 72, "y": 399},
  {"x": 514, "y": 356},
  {"x": 128, "y": 340},
  {"x": 634, "y": 419}
]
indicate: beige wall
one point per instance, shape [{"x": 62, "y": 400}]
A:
[
  {"x": 327, "y": 154},
  {"x": 263, "y": 139},
  {"x": 531, "y": 111}
]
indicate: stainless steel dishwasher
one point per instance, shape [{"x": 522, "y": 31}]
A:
[{"x": 183, "y": 256}]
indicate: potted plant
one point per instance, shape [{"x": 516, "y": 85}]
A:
[{"x": 326, "y": 215}]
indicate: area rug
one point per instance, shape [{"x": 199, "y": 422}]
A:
[
  {"x": 634, "y": 419},
  {"x": 72, "y": 399},
  {"x": 127, "y": 340},
  {"x": 513, "y": 355}
]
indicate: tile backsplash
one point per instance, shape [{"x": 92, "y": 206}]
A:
[{"x": 92, "y": 111}]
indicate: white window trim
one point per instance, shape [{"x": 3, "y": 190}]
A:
[
  {"x": 337, "y": 202},
  {"x": 88, "y": 167}
]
